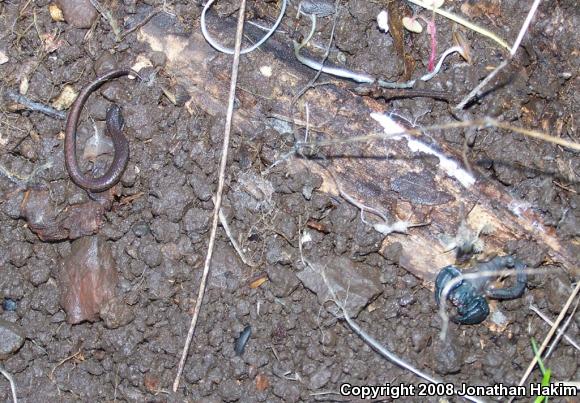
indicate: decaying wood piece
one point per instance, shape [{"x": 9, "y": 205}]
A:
[{"x": 384, "y": 174}]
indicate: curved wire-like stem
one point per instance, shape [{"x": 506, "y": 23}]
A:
[
  {"x": 12, "y": 383},
  {"x": 230, "y": 51}
]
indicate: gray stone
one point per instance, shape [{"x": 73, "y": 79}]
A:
[
  {"x": 11, "y": 338},
  {"x": 354, "y": 284},
  {"x": 78, "y": 13},
  {"x": 283, "y": 280}
]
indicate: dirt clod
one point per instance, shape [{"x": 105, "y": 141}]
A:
[{"x": 447, "y": 357}]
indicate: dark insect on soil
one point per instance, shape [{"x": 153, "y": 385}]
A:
[{"x": 242, "y": 340}]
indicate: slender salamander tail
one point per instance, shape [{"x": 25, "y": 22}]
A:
[{"x": 115, "y": 118}]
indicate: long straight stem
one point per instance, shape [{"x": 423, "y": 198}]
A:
[{"x": 218, "y": 198}]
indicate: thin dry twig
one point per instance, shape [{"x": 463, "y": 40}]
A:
[
  {"x": 108, "y": 16},
  {"x": 561, "y": 331},
  {"x": 477, "y": 90},
  {"x": 549, "y": 335},
  {"x": 12, "y": 383},
  {"x": 140, "y": 23},
  {"x": 551, "y": 323},
  {"x": 70, "y": 357},
  {"x": 218, "y": 196},
  {"x": 35, "y": 106},
  {"x": 235, "y": 243},
  {"x": 478, "y": 123}
]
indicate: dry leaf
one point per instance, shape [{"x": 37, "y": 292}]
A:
[
  {"x": 50, "y": 42},
  {"x": 23, "y": 87},
  {"x": 151, "y": 383}
]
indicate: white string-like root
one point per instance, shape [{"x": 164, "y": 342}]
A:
[
  {"x": 366, "y": 78},
  {"x": 374, "y": 343},
  {"x": 568, "y": 338},
  {"x": 477, "y": 90},
  {"x": 550, "y": 334},
  {"x": 12, "y": 383},
  {"x": 229, "y": 51},
  {"x": 435, "y": 71},
  {"x": 219, "y": 192},
  {"x": 472, "y": 276}
]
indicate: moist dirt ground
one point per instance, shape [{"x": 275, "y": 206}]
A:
[{"x": 158, "y": 224}]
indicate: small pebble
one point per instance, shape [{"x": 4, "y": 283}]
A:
[
  {"x": 11, "y": 338},
  {"x": 141, "y": 229},
  {"x": 78, "y": 13},
  {"x": 9, "y": 304}
]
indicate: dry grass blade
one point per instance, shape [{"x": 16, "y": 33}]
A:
[
  {"x": 562, "y": 330},
  {"x": 550, "y": 334},
  {"x": 218, "y": 197},
  {"x": 550, "y": 323}
]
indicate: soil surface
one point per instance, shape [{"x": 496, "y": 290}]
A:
[{"x": 152, "y": 233}]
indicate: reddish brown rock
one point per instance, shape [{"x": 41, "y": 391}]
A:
[
  {"x": 51, "y": 224},
  {"x": 78, "y": 13},
  {"x": 87, "y": 279}
]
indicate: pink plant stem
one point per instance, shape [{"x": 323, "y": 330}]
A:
[{"x": 432, "y": 30}]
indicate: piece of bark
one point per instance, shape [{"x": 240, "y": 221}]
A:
[
  {"x": 87, "y": 279},
  {"x": 337, "y": 113}
]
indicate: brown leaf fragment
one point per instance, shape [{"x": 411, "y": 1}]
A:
[
  {"x": 87, "y": 279},
  {"x": 83, "y": 219}
]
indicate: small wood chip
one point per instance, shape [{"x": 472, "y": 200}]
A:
[{"x": 258, "y": 282}]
